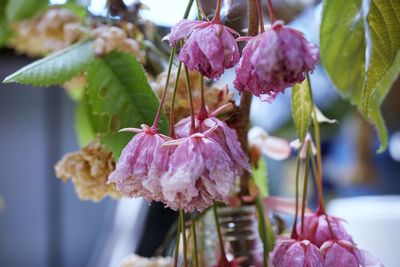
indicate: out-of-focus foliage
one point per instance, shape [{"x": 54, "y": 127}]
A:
[{"x": 360, "y": 48}]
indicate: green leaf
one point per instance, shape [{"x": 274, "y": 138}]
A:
[
  {"x": 23, "y": 9},
  {"x": 56, "y": 68},
  {"x": 120, "y": 96},
  {"x": 4, "y": 31},
  {"x": 302, "y": 106},
  {"x": 84, "y": 127},
  {"x": 347, "y": 34},
  {"x": 265, "y": 231},
  {"x": 260, "y": 176}
]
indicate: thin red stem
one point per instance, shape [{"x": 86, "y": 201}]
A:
[
  {"x": 260, "y": 16},
  {"x": 271, "y": 12},
  {"x": 217, "y": 15},
  {"x": 203, "y": 110},
  {"x": 294, "y": 234},
  {"x": 190, "y": 98},
  {"x": 305, "y": 187}
]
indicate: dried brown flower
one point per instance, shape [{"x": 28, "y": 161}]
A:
[{"x": 89, "y": 169}]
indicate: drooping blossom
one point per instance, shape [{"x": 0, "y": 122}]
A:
[
  {"x": 222, "y": 134},
  {"x": 142, "y": 163},
  {"x": 339, "y": 253},
  {"x": 200, "y": 172},
  {"x": 210, "y": 47},
  {"x": 316, "y": 229},
  {"x": 275, "y": 60},
  {"x": 294, "y": 253}
]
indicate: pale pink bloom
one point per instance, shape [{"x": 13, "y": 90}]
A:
[
  {"x": 339, "y": 253},
  {"x": 275, "y": 60},
  {"x": 199, "y": 173},
  {"x": 143, "y": 161},
  {"x": 274, "y": 147},
  {"x": 294, "y": 253},
  {"x": 225, "y": 136},
  {"x": 316, "y": 229},
  {"x": 210, "y": 47}
]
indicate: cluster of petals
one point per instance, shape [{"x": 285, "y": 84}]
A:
[
  {"x": 222, "y": 134},
  {"x": 317, "y": 229},
  {"x": 143, "y": 161},
  {"x": 200, "y": 172},
  {"x": 294, "y": 253},
  {"x": 275, "y": 60},
  {"x": 210, "y": 47}
]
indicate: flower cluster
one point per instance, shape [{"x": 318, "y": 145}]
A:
[
  {"x": 88, "y": 170},
  {"x": 190, "y": 172},
  {"x": 323, "y": 242}
]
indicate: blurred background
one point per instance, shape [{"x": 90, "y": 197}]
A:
[{"x": 43, "y": 223}]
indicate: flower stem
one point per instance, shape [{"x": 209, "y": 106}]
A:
[
  {"x": 157, "y": 118},
  {"x": 260, "y": 16},
  {"x": 221, "y": 241},
  {"x": 172, "y": 113},
  {"x": 189, "y": 92},
  {"x": 188, "y": 7},
  {"x": 178, "y": 234},
  {"x": 182, "y": 220},
  {"x": 296, "y": 214},
  {"x": 305, "y": 187},
  {"x": 196, "y": 260},
  {"x": 217, "y": 16},
  {"x": 271, "y": 12},
  {"x": 203, "y": 114}
]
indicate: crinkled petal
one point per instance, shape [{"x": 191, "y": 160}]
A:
[{"x": 181, "y": 30}]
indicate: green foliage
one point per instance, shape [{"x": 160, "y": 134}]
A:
[
  {"x": 120, "y": 96},
  {"x": 347, "y": 34},
  {"x": 56, "y": 68},
  {"x": 84, "y": 128},
  {"x": 260, "y": 176},
  {"x": 265, "y": 231},
  {"x": 23, "y": 9},
  {"x": 4, "y": 31},
  {"x": 302, "y": 106}
]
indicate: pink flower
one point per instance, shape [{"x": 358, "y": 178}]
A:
[
  {"x": 225, "y": 136},
  {"x": 275, "y": 60},
  {"x": 142, "y": 163},
  {"x": 344, "y": 253},
  {"x": 199, "y": 173},
  {"x": 210, "y": 47},
  {"x": 294, "y": 253},
  {"x": 316, "y": 229}
]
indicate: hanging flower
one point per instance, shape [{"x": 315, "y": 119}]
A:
[
  {"x": 210, "y": 47},
  {"x": 142, "y": 163},
  {"x": 316, "y": 229},
  {"x": 294, "y": 253},
  {"x": 199, "y": 173},
  {"x": 340, "y": 253},
  {"x": 275, "y": 60},
  {"x": 222, "y": 134}
]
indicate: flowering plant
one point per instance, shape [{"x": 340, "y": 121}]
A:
[{"x": 179, "y": 138}]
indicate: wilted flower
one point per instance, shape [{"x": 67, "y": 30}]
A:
[
  {"x": 88, "y": 170},
  {"x": 138, "y": 261},
  {"x": 275, "y": 60},
  {"x": 210, "y": 47},
  {"x": 222, "y": 134},
  {"x": 339, "y": 253},
  {"x": 200, "y": 172},
  {"x": 294, "y": 253},
  {"x": 316, "y": 229},
  {"x": 114, "y": 38},
  {"x": 141, "y": 165}
]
